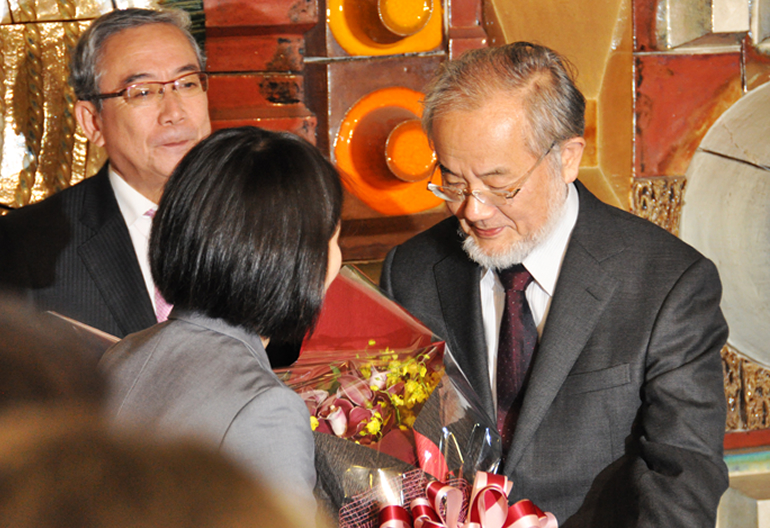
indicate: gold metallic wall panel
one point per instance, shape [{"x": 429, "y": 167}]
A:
[
  {"x": 41, "y": 150},
  {"x": 747, "y": 390},
  {"x": 56, "y": 10},
  {"x": 659, "y": 200},
  {"x": 756, "y": 395},
  {"x": 731, "y": 369}
]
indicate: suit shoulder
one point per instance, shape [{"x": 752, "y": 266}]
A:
[
  {"x": 65, "y": 204},
  {"x": 601, "y": 225}
]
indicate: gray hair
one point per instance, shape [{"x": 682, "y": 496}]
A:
[
  {"x": 544, "y": 79},
  {"x": 84, "y": 73}
]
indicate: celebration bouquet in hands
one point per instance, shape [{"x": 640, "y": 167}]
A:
[
  {"x": 372, "y": 399},
  {"x": 393, "y": 416}
]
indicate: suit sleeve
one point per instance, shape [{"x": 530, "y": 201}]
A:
[
  {"x": 271, "y": 436},
  {"x": 684, "y": 409},
  {"x": 674, "y": 475}
]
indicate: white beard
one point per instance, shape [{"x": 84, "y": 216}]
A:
[{"x": 518, "y": 251}]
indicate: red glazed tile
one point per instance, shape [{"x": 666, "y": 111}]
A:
[
  {"x": 644, "y": 25},
  {"x": 302, "y": 14},
  {"x": 237, "y": 53},
  {"x": 677, "y": 99}
]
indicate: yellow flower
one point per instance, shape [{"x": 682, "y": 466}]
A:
[
  {"x": 415, "y": 393},
  {"x": 313, "y": 423},
  {"x": 373, "y": 427}
]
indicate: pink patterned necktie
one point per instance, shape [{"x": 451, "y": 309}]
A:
[
  {"x": 516, "y": 346},
  {"x": 162, "y": 308}
]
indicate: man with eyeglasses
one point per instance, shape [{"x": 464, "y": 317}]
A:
[
  {"x": 141, "y": 93},
  {"x": 599, "y": 359}
]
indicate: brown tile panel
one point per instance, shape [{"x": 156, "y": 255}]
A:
[
  {"x": 465, "y": 13},
  {"x": 459, "y": 44},
  {"x": 371, "y": 238},
  {"x": 303, "y": 126},
  {"x": 255, "y": 90},
  {"x": 678, "y": 98}
]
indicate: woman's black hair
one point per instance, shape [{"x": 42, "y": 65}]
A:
[{"x": 242, "y": 231}]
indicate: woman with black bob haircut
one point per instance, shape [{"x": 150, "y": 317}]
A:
[{"x": 244, "y": 245}]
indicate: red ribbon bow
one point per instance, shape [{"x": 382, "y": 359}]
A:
[
  {"x": 489, "y": 506},
  {"x": 442, "y": 505}
]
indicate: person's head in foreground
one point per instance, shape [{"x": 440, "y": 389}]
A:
[
  {"x": 507, "y": 125},
  {"x": 42, "y": 362},
  {"x": 60, "y": 469},
  {"x": 247, "y": 231},
  {"x": 139, "y": 78}
]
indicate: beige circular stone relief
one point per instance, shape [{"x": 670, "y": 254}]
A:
[{"x": 726, "y": 216}]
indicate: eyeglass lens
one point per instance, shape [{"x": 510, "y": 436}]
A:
[{"x": 150, "y": 92}]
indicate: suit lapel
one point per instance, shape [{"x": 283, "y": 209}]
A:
[
  {"x": 583, "y": 290},
  {"x": 457, "y": 281},
  {"x": 109, "y": 256}
]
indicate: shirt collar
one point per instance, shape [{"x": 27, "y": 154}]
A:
[
  {"x": 133, "y": 205},
  {"x": 544, "y": 261}
]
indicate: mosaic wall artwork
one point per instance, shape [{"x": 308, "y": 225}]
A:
[{"x": 657, "y": 75}]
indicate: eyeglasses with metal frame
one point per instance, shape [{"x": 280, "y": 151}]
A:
[
  {"x": 148, "y": 93},
  {"x": 458, "y": 194}
]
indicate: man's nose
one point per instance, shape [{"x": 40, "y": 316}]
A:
[
  {"x": 172, "y": 106},
  {"x": 474, "y": 210}
]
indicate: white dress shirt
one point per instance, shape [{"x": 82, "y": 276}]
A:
[
  {"x": 133, "y": 206},
  {"x": 544, "y": 264}
]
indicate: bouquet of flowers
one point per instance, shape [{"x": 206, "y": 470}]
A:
[
  {"x": 385, "y": 397},
  {"x": 372, "y": 399}
]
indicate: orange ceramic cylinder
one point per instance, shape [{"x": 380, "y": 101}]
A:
[
  {"x": 361, "y": 151},
  {"x": 385, "y": 27}
]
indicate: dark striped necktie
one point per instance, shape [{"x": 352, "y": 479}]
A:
[{"x": 515, "y": 348}]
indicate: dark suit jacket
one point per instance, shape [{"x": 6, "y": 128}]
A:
[
  {"x": 623, "y": 419},
  {"x": 72, "y": 254}
]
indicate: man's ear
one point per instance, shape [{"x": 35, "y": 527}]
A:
[
  {"x": 571, "y": 153},
  {"x": 90, "y": 121}
]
